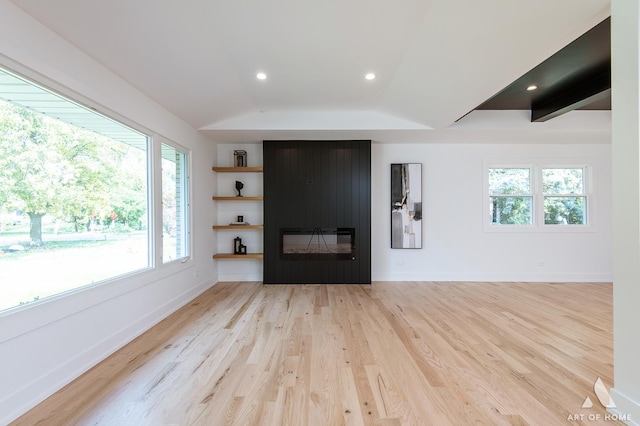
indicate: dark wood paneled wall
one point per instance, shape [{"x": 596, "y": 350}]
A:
[{"x": 311, "y": 184}]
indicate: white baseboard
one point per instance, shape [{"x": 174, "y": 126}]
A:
[
  {"x": 498, "y": 277},
  {"x": 573, "y": 278},
  {"x": 239, "y": 277},
  {"x": 31, "y": 394},
  {"x": 627, "y": 410}
]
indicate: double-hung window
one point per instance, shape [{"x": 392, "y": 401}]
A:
[
  {"x": 565, "y": 199},
  {"x": 510, "y": 196},
  {"x": 537, "y": 197}
]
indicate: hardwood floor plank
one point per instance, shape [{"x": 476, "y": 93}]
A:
[{"x": 393, "y": 353}]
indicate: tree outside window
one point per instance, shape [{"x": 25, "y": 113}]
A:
[
  {"x": 510, "y": 200},
  {"x": 73, "y": 195},
  {"x": 565, "y": 201},
  {"x": 537, "y": 196}
]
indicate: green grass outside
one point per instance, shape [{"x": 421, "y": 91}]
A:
[
  {"x": 49, "y": 246},
  {"x": 59, "y": 266}
]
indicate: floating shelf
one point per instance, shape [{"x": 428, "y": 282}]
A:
[
  {"x": 238, "y": 226},
  {"x": 236, "y": 198},
  {"x": 237, "y": 169},
  {"x": 243, "y": 198},
  {"x": 237, "y": 256}
]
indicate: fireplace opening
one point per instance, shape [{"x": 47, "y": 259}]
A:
[{"x": 317, "y": 243}]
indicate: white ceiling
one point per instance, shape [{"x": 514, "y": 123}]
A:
[{"x": 435, "y": 59}]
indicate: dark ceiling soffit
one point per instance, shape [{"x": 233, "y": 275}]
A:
[
  {"x": 576, "y": 77},
  {"x": 569, "y": 98}
]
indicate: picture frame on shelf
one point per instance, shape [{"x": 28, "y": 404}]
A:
[{"x": 240, "y": 158}]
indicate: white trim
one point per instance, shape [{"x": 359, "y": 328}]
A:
[
  {"x": 47, "y": 83},
  {"x": 239, "y": 278},
  {"x": 34, "y": 392},
  {"x": 154, "y": 198},
  {"x": 72, "y": 97},
  {"x": 587, "y": 192},
  {"x": 494, "y": 277},
  {"x": 188, "y": 219},
  {"x": 537, "y": 213},
  {"x": 626, "y": 407}
]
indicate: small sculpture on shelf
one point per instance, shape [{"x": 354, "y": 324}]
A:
[
  {"x": 239, "y": 222},
  {"x": 239, "y": 186},
  {"x": 240, "y": 157},
  {"x": 238, "y": 247}
]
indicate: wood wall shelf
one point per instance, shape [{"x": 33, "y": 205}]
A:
[
  {"x": 236, "y": 198},
  {"x": 238, "y": 226},
  {"x": 237, "y": 169},
  {"x": 257, "y": 198},
  {"x": 238, "y": 256}
]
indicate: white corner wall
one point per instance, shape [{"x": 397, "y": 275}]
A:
[
  {"x": 49, "y": 343},
  {"x": 455, "y": 244},
  {"x": 625, "y": 45}
]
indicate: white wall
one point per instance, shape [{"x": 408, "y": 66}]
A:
[
  {"x": 455, "y": 244},
  {"x": 227, "y": 211},
  {"x": 48, "y": 343},
  {"x": 625, "y": 38}
]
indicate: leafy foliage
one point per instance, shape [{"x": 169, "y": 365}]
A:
[
  {"x": 49, "y": 167},
  {"x": 565, "y": 208},
  {"x": 510, "y": 202},
  {"x": 511, "y": 210},
  {"x": 512, "y": 181}
]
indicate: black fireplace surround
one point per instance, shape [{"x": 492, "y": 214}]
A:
[{"x": 317, "y": 212}]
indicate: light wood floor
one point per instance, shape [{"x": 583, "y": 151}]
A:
[{"x": 387, "y": 354}]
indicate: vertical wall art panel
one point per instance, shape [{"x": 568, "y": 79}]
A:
[{"x": 406, "y": 205}]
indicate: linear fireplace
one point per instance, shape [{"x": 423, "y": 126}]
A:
[{"x": 317, "y": 243}]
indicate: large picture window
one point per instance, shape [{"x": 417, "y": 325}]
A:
[{"x": 73, "y": 195}]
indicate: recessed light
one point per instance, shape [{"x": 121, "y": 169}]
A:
[
  {"x": 370, "y": 76},
  {"x": 532, "y": 87},
  {"x": 261, "y": 76}
]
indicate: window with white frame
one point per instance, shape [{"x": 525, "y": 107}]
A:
[
  {"x": 510, "y": 196},
  {"x": 565, "y": 200},
  {"x": 537, "y": 196},
  {"x": 75, "y": 199},
  {"x": 175, "y": 203}
]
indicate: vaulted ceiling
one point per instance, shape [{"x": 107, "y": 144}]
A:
[{"x": 434, "y": 60}]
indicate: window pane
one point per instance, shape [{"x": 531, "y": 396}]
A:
[
  {"x": 73, "y": 198},
  {"x": 564, "y": 210},
  {"x": 514, "y": 181},
  {"x": 562, "y": 181},
  {"x": 510, "y": 210},
  {"x": 174, "y": 204}
]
